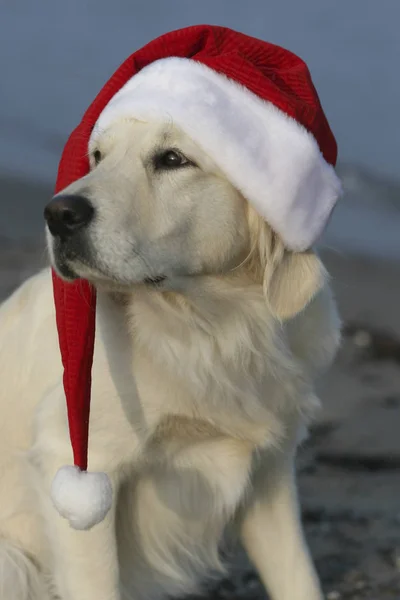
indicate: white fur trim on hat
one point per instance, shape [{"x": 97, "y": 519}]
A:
[
  {"x": 82, "y": 498},
  {"x": 272, "y": 159}
]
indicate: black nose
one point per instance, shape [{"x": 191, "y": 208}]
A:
[{"x": 66, "y": 214}]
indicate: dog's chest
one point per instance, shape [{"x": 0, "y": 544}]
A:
[
  {"x": 186, "y": 489},
  {"x": 185, "y": 453}
]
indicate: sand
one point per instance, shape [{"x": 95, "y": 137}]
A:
[{"x": 349, "y": 470}]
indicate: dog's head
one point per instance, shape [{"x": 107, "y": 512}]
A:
[{"x": 154, "y": 208}]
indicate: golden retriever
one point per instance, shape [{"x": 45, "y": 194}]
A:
[{"x": 210, "y": 337}]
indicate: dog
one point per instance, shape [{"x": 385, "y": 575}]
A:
[{"x": 211, "y": 335}]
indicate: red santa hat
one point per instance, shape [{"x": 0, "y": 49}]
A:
[{"x": 253, "y": 108}]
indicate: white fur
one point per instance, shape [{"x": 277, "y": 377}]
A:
[
  {"x": 202, "y": 387},
  {"x": 273, "y": 160}
]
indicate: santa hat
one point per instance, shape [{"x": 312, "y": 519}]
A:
[{"x": 253, "y": 108}]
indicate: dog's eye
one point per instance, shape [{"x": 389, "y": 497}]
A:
[
  {"x": 170, "y": 159},
  {"x": 97, "y": 157}
]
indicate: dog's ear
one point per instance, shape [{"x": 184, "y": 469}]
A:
[{"x": 292, "y": 282}]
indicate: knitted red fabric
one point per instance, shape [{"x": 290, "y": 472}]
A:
[{"x": 272, "y": 73}]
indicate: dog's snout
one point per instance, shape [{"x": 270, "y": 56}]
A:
[{"x": 66, "y": 214}]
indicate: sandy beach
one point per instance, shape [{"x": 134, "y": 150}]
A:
[{"x": 349, "y": 470}]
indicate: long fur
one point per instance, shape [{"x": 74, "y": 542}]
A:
[{"x": 202, "y": 388}]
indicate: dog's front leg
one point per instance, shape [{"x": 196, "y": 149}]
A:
[
  {"x": 85, "y": 563},
  {"x": 272, "y": 534},
  {"x": 82, "y": 565}
]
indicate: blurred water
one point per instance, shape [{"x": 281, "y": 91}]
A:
[
  {"x": 367, "y": 219},
  {"x": 55, "y": 56}
]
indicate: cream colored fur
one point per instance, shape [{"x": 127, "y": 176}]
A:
[{"x": 202, "y": 387}]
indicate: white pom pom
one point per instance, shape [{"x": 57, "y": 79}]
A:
[{"x": 82, "y": 497}]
